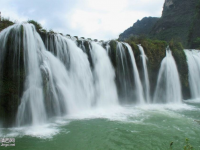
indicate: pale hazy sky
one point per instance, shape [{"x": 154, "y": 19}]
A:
[{"x": 100, "y": 19}]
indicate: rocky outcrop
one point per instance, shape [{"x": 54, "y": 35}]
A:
[{"x": 168, "y": 3}]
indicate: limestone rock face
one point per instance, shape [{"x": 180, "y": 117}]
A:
[
  {"x": 180, "y": 20},
  {"x": 176, "y": 20},
  {"x": 168, "y": 3}
]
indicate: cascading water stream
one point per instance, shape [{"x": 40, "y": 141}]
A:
[
  {"x": 127, "y": 76},
  {"x": 65, "y": 84},
  {"x": 168, "y": 88},
  {"x": 123, "y": 73},
  {"x": 11, "y": 71},
  {"x": 138, "y": 85},
  {"x": 68, "y": 78},
  {"x": 85, "y": 93},
  {"x": 88, "y": 91},
  {"x": 146, "y": 76},
  {"x": 32, "y": 107},
  {"x": 71, "y": 89},
  {"x": 48, "y": 88},
  {"x": 63, "y": 88},
  {"x": 78, "y": 67},
  {"x": 80, "y": 76},
  {"x": 106, "y": 92},
  {"x": 107, "y": 47},
  {"x": 193, "y": 60}
]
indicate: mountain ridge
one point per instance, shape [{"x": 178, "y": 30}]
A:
[{"x": 178, "y": 17}]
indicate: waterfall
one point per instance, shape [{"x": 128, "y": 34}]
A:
[
  {"x": 128, "y": 79},
  {"x": 11, "y": 72},
  {"x": 138, "y": 84},
  {"x": 193, "y": 60},
  {"x": 106, "y": 92},
  {"x": 32, "y": 101},
  {"x": 125, "y": 83},
  {"x": 107, "y": 47},
  {"x": 89, "y": 82},
  {"x": 32, "y": 107},
  {"x": 58, "y": 82},
  {"x": 55, "y": 76},
  {"x": 71, "y": 99},
  {"x": 168, "y": 88},
  {"x": 146, "y": 76},
  {"x": 78, "y": 67}
]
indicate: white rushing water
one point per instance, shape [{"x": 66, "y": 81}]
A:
[
  {"x": 193, "y": 60},
  {"x": 68, "y": 80},
  {"x": 146, "y": 75},
  {"x": 108, "y": 49},
  {"x": 32, "y": 101},
  {"x": 66, "y": 95},
  {"x": 122, "y": 73},
  {"x": 87, "y": 88},
  {"x": 106, "y": 92},
  {"x": 65, "y": 92},
  {"x": 65, "y": 84},
  {"x": 81, "y": 78},
  {"x": 168, "y": 88},
  {"x": 57, "y": 87},
  {"x": 128, "y": 79},
  {"x": 138, "y": 84}
]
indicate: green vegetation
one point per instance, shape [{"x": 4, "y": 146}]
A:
[
  {"x": 4, "y": 23},
  {"x": 141, "y": 27},
  {"x": 37, "y": 25},
  {"x": 43, "y": 30},
  {"x": 155, "y": 50},
  {"x": 181, "y": 61},
  {"x": 12, "y": 79},
  {"x": 179, "y": 21},
  {"x": 76, "y": 37},
  {"x": 194, "y": 33},
  {"x": 51, "y": 31},
  {"x": 112, "y": 54},
  {"x": 196, "y": 43},
  {"x": 187, "y": 146}
]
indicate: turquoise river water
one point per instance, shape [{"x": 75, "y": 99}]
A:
[{"x": 148, "y": 127}]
